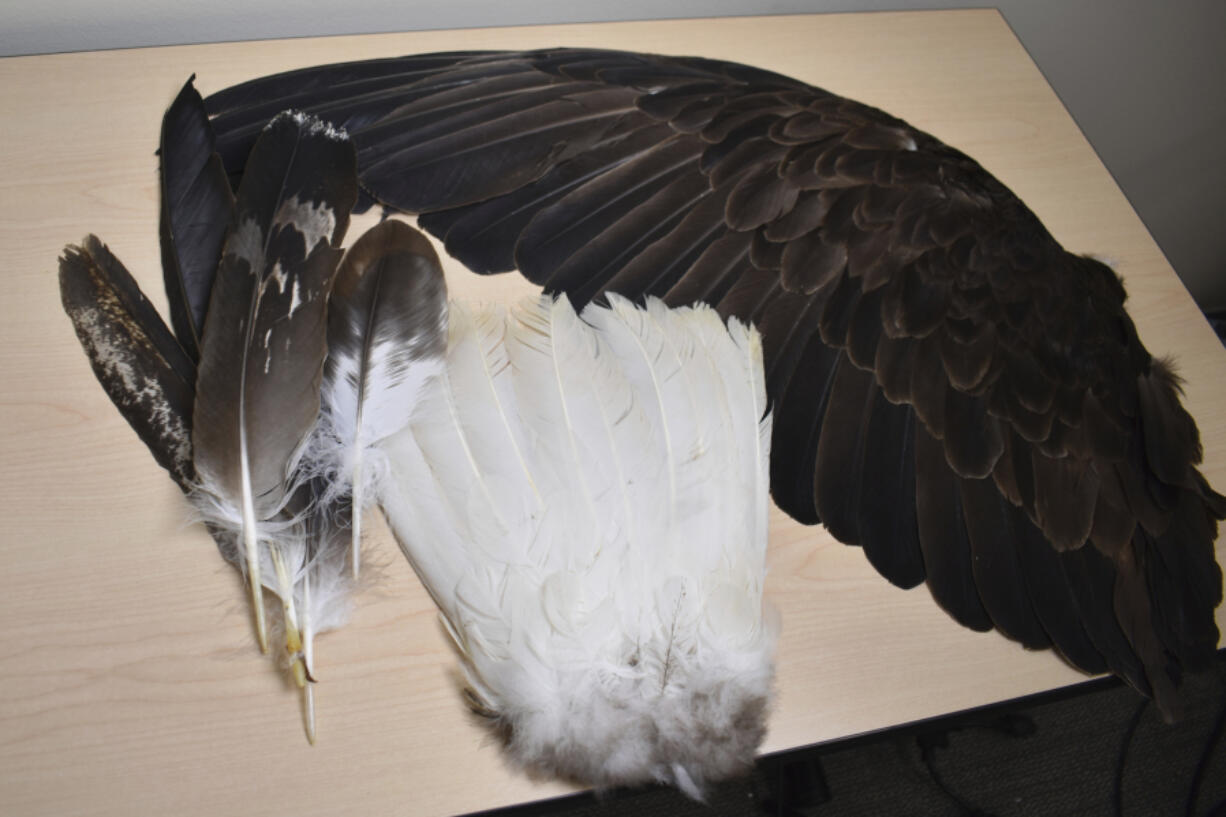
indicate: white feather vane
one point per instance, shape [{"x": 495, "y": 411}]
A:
[{"x": 585, "y": 500}]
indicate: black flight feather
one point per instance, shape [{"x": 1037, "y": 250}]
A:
[
  {"x": 943, "y": 537},
  {"x": 808, "y": 392},
  {"x": 839, "y": 479},
  {"x": 996, "y": 569},
  {"x": 889, "y": 532},
  {"x": 196, "y": 208}
]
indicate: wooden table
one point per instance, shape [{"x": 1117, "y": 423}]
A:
[{"x": 129, "y": 680}]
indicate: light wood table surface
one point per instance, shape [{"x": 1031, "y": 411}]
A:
[{"x": 129, "y": 679}]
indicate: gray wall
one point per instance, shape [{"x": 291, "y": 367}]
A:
[{"x": 1145, "y": 79}]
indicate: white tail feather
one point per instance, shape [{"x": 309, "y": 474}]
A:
[{"x": 584, "y": 500}]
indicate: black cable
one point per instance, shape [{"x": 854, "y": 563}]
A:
[
  {"x": 927, "y": 752},
  {"x": 1215, "y": 737},
  {"x": 1012, "y": 725},
  {"x": 1129, "y": 734}
]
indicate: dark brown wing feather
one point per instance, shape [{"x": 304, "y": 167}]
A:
[
  {"x": 139, "y": 363},
  {"x": 995, "y": 424}
]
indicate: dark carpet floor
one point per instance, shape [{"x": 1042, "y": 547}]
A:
[{"x": 1093, "y": 749}]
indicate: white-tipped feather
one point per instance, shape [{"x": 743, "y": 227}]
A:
[{"x": 584, "y": 498}]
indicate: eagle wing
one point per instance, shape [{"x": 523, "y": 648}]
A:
[{"x": 952, "y": 390}]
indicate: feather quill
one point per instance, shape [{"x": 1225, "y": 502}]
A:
[
  {"x": 312, "y": 581},
  {"x": 257, "y": 393},
  {"x": 387, "y": 319},
  {"x": 610, "y": 630}
]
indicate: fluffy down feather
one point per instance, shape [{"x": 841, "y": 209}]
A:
[{"x": 585, "y": 499}]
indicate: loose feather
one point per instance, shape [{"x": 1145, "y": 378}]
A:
[
  {"x": 257, "y": 393},
  {"x": 387, "y": 318},
  {"x": 605, "y": 601},
  {"x": 137, "y": 360},
  {"x": 196, "y": 209}
]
